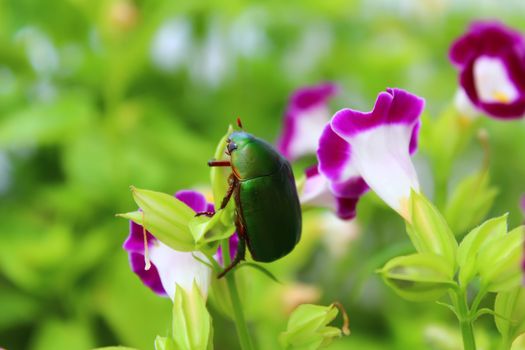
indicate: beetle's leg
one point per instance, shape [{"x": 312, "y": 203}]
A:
[
  {"x": 233, "y": 182},
  {"x": 224, "y": 163},
  {"x": 241, "y": 248},
  {"x": 205, "y": 213}
]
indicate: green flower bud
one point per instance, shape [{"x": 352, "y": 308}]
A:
[
  {"x": 429, "y": 231},
  {"x": 470, "y": 202},
  {"x": 499, "y": 263},
  {"x": 192, "y": 324},
  {"x": 509, "y": 309},
  {"x": 473, "y": 242},
  {"x": 164, "y": 343},
  {"x": 308, "y": 327},
  {"x": 165, "y": 217},
  {"x": 419, "y": 277}
]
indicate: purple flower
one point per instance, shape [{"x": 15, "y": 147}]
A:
[
  {"x": 317, "y": 192},
  {"x": 306, "y": 115},
  {"x": 169, "y": 267},
  {"x": 358, "y": 150},
  {"x": 491, "y": 61}
]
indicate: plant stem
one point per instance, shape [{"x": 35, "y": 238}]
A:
[
  {"x": 240, "y": 322},
  {"x": 465, "y": 322}
]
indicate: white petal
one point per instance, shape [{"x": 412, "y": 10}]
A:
[
  {"x": 381, "y": 157},
  {"x": 464, "y": 106},
  {"x": 309, "y": 125},
  {"x": 492, "y": 81},
  {"x": 180, "y": 268},
  {"x": 317, "y": 192}
]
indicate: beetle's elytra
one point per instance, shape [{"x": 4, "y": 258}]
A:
[{"x": 267, "y": 209}]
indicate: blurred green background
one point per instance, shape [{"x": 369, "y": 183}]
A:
[{"x": 97, "y": 95}]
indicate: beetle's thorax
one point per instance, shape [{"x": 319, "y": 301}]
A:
[{"x": 252, "y": 157}]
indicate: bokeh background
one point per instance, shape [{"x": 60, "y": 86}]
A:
[{"x": 98, "y": 95}]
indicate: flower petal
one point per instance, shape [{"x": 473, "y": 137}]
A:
[
  {"x": 381, "y": 142},
  {"x": 334, "y": 157},
  {"x": 180, "y": 268},
  {"x": 491, "y": 60},
  {"x": 149, "y": 277},
  {"x": 233, "y": 241},
  {"x": 317, "y": 192},
  {"x": 135, "y": 241},
  {"x": 305, "y": 117},
  {"x": 168, "y": 266},
  {"x": 193, "y": 199}
]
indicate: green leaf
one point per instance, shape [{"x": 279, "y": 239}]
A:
[
  {"x": 47, "y": 123},
  {"x": 470, "y": 202},
  {"x": 511, "y": 306},
  {"x": 165, "y": 217},
  {"x": 473, "y": 242},
  {"x": 499, "y": 262},
  {"x": 308, "y": 327},
  {"x": 164, "y": 343},
  {"x": 418, "y": 277},
  {"x": 429, "y": 231},
  {"x": 192, "y": 324},
  {"x": 62, "y": 334}
]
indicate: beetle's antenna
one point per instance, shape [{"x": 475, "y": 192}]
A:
[{"x": 239, "y": 123}]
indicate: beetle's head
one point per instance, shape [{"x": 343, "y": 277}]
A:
[
  {"x": 237, "y": 140},
  {"x": 250, "y": 156}
]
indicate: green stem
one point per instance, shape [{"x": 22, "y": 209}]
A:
[
  {"x": 477, "y": 300},
  {"x": 465, "y": 322},
  {"x": 240, "y": 322}
]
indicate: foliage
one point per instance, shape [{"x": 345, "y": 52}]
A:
[{"x": 87, "y": 108}]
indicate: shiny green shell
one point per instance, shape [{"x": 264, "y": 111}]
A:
[{"x": 266, "y": 198}]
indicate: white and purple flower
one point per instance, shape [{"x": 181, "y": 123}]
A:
[
  {"x": 169, "y": 267},
  {"x": 317, "y": 191},
  {"x": 306, "y": 115},
  {"x": 358, "y": 150},
  {"x": 491, "y": 61}
]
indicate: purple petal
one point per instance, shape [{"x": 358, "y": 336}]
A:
[
  {"x": 234, "y": 243},
  {"x": 343, "y": 203},
  {"x": 346, "y": 207},
  {"x": 494, "y": 40},
  {"x": 485, "y": 37},
  {"x": 303, "y": 105},
  {"x": 193, "y": 199},
  {"x": 414, "y": 138},
  {"x": 395, "y": 106},
  {"x": 135, "y": 241},
  {"x": 354, "y": 187},
  {"x": 134, "y": 244},
  {"x": 149, "y": 277},
  {"x": 334, "y": 154}
]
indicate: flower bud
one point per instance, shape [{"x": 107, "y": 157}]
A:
[{"x": 419, "y": 277}]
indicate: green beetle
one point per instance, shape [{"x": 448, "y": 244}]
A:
[{"x": 267, "y": 209}]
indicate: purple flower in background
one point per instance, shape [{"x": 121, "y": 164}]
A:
[
  {"x": 491, "y": 61},
  {"x": 306, "y": 115},
  {"x": 170, "y": 267},
  {"x": 317, "y": 192},
  {"x": 358, "y": 150}
]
